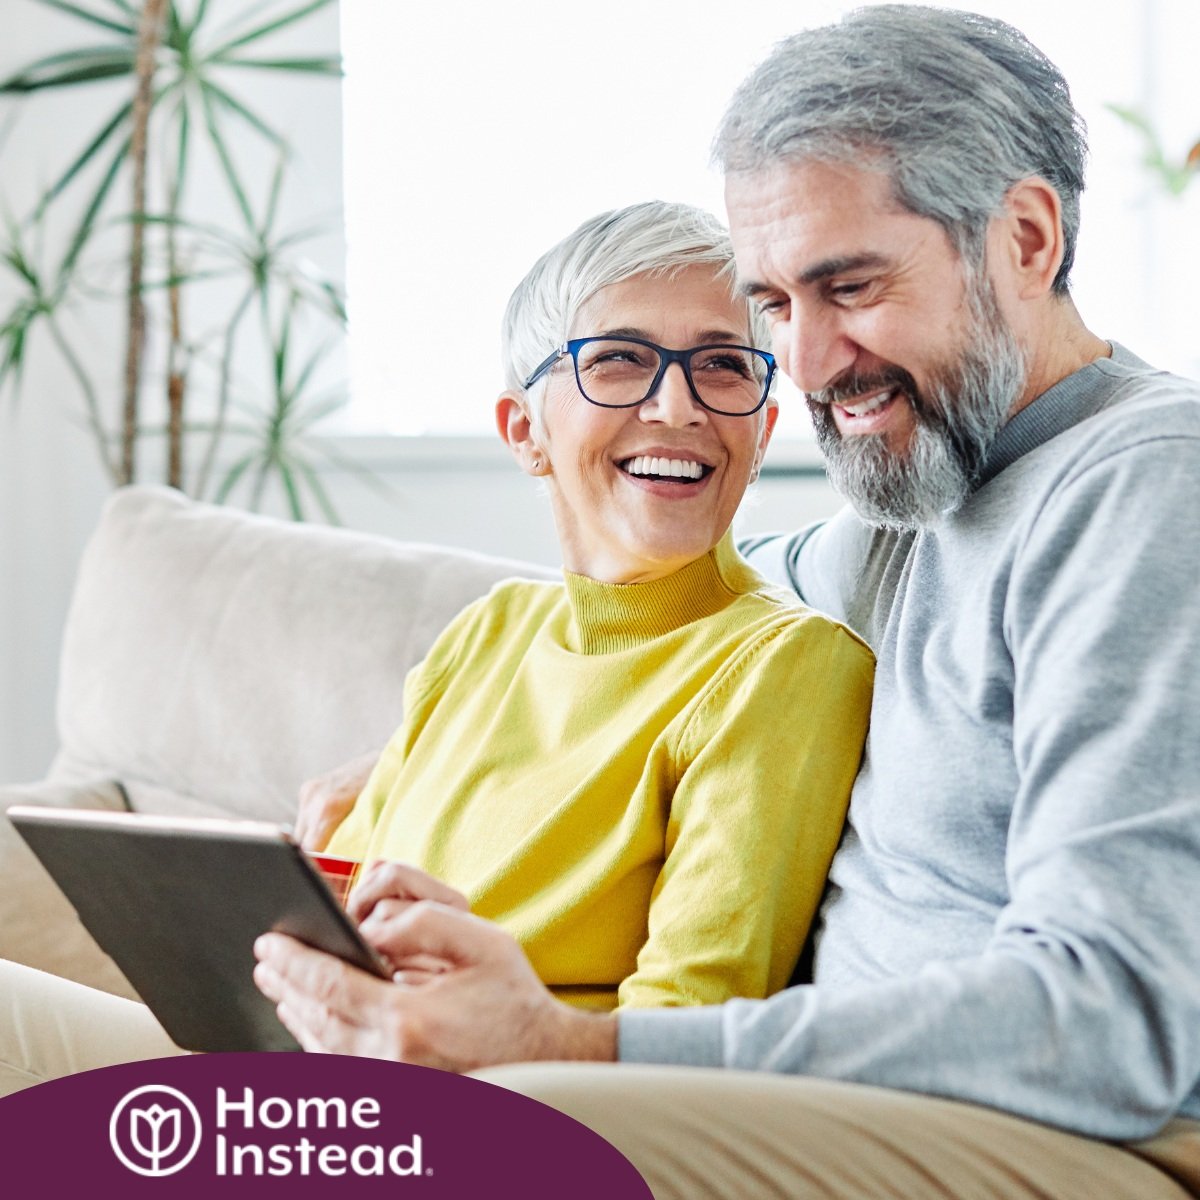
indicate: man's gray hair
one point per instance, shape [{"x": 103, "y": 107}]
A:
[
  {"x": 954, "y": 106},
  {"x": 654, "y": 236}
]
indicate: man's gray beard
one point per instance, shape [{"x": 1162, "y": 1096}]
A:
[{"x": 957, "y": 418}]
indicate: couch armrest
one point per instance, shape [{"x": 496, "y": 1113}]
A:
[{"x": 38, "y": 927}]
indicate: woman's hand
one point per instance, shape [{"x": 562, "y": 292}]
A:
[
  {"x": 485, "y": 1006},
  {"x": 325, "y": 801}
]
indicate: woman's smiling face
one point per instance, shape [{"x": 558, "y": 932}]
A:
[{"x": 617, "y": 520}]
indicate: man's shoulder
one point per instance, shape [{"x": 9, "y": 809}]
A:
[
  {"x": 1147, "y": 410},
  {"x": 1135, "y": 388},
  {"x": 1120, "y": 411}
]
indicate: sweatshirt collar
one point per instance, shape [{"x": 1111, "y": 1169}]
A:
[{"x": 1080, "y": 395}]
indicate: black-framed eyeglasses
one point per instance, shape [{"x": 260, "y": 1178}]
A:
[{"x": 622, "y": 372}]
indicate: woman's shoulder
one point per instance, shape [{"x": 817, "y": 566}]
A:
[
  {"x": 507, "y": 602},
  {"x": 510, "y": 611},
  {"x": 780, "y": 657},
  {"x": 776, "y": 618},
  {"x": 520, "y": 595}
]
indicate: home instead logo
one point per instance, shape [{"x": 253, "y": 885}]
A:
[{"x": 155, "y": 1131}]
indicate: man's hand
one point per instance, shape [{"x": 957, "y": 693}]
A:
[
  {"x": 483, "y": 1006},
  {"x": 384, "y": 891},
  {"x": 325, "y": 801}
]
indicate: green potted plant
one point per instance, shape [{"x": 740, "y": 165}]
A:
[{"x": 129, "y": 184}]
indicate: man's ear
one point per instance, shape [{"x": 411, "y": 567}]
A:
[
  {"x": 1032, "y": 237},
  {"x": 516, "y": 430}
]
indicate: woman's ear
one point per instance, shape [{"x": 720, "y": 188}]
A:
[
  {"x": 516, "y": 430},
  {"x": 769, "y": 418}
]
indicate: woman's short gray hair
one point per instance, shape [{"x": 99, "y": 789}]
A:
[
  {"x": 955, "y": 107},
  {"x": 653, "y": 236}
]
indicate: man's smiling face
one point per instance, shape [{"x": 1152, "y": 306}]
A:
[{"x": 908, "y": 364}]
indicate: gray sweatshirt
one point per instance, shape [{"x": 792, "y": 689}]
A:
[{"x": 1013, "y": 916}]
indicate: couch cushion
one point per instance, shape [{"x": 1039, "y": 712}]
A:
[
  {"x": 223, "y": 658},
  {"x": 38, "y": 926}
]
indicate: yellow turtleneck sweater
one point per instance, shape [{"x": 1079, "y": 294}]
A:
[{"x": 644, "y": 783}]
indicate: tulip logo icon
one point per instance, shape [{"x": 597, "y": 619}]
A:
[{"x": 155, "y": 1130}]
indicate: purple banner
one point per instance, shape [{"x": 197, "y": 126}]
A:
[{"x": 243, "y": 1123}]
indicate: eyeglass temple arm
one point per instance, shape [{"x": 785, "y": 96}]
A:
[{"x": 545, "y": 365}]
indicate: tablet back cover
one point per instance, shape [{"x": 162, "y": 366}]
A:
[{"x": 179, "y": 908}]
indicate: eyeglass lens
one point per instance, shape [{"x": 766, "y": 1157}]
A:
[{"x": 617, "y": 373}]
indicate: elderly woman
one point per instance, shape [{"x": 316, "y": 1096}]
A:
[{"x": 640, "y": 772}]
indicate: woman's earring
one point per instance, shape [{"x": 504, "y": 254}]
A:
[{"x": 537, "y": 464}]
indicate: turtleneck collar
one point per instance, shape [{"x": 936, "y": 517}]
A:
[{"x": 609, "y": 617}]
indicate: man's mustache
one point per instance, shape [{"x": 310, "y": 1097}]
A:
[{"x": 854, "y": 385}]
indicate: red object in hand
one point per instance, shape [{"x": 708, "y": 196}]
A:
[{"x": 339, "y": 873}]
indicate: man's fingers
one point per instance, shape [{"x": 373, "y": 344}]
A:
[
  {"x": 430, "y": 932},
  {"x": 295, "y": 1026},
  {"x": 325, "y": 1003},
  {"x": 399, "y": 881}
]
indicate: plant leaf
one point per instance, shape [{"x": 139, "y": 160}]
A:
[
  {"x": 183, "y": 278},
  {"x": 78, "y": 66},
  {"x": 366, "y": 476},
  {"x": 218, "y": 141},
  {"x": 1134, "y": 117},
  {"x": 235, "y": 105},
  {"x": 233, "y": 475},
  {"x": 283, "y": 468},
  {"x": 175, "y": 32},
  {"x": 328, "y": 65},
  {"x": 197, "y": 18},
  {"x": 85, "y": 156},
  {"x": 290, "y": 18},
  {"x": 311, "y": 364},
  {"x": 282, "y": 399},
  {"x": 85, "y": 14},
  {"x": 260, "y": 483},
  {"x": 182, "y": 145},
  {"x": 273, "y": 197},
  {"x": 318, "y": 490},
  {"x": 84, "y": 230}
]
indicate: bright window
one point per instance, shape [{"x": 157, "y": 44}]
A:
[{"x": 477, "y": 134}]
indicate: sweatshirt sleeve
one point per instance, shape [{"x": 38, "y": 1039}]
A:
[
  {"x": 1082, "y": 1010},
  {"x": 751, "y": 829}
]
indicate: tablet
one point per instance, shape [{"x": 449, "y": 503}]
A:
[{"x": 178, "y": 902}]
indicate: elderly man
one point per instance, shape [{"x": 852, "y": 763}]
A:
[{"x": 1006, "y": 987}]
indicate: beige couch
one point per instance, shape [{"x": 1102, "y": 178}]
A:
[{"x": 211, "y": 662}]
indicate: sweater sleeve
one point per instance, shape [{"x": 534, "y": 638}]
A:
[
  {"x": 1083, "y": 1008},
  {"x": 751, "y": 831}
]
